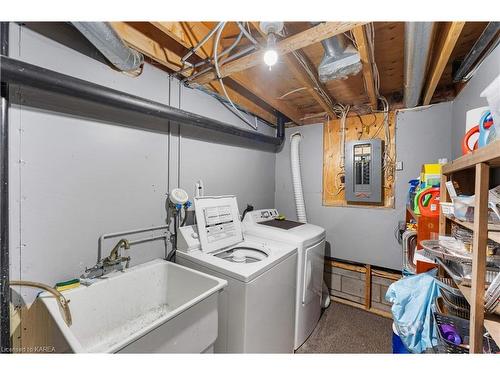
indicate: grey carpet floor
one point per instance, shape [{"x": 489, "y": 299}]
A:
[{"x": 346, "y": 329}]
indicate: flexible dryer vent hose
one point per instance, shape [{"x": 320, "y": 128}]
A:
[
  {"x": 299, "y": 198},
  {"x": 297, "y": 178}
]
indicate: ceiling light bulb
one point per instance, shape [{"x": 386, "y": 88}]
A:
[{"x": 271, "y": 55}]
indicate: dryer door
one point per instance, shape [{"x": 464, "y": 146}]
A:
[{"x": 313, "y": 272}]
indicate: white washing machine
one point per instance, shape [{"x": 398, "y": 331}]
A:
[
  {"x": 256, "y": 309},
  {"x": 310, "y": 242}
]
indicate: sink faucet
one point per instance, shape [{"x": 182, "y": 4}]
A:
[
  {"x": 113, "y": 262},
  {"x": 114, "y": 257}
]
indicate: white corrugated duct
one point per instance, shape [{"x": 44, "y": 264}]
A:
[
  {"x": 297, "y": 178},
  {"x": 299, "y": 198}
]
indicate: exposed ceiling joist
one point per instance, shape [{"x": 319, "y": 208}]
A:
[
  {"x": 189, "y": 35},
  {"x": 445, "y": 47},
  {"x": 160, "y": 54},
  {"x": 260, "y": 90},
  {"x": 299, "y": 73},
  {"x": 300, "y": 40},
  {"x": 149, "y": 47},
  {"x": 359, "y": 34}
]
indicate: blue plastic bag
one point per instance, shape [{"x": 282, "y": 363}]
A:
[{"x": 412, "y": 298}]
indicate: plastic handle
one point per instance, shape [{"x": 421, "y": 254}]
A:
[
  {"x": 465, "y": 142},
  {"x": 484, "y": 125},
  {"x": 429, "y": 206}
]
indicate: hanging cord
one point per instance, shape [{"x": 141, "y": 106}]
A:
[{"x": 219, "y": 78}]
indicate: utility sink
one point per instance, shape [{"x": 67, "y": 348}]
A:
[{"x": 156, "y": 307}]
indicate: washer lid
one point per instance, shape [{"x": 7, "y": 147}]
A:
[
  {"x": 242, "y": 254},
  {"x": 218, "y": 221}
]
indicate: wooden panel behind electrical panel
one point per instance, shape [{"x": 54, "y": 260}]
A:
[{"x": 357, "y": 127}]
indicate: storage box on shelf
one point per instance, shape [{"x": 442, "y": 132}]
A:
[{"x": 472, "y": 171}]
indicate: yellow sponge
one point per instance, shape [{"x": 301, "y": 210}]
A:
[{"x": 66, "y": 285}]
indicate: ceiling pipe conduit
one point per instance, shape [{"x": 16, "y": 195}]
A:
[
  {"x": 418, "y": 40},
  {"x": 24, "y": 74},
  {"x": 108, "y": 42},
  {"x": 486, "y": 43}
]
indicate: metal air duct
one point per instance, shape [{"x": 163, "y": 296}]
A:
[
  {"x": 340, "y": 59},
  {"x": 108, "y": 42},
  {"x": 418, "y": 38}
]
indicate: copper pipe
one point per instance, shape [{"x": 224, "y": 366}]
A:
[{"x": 61, "y": 300}]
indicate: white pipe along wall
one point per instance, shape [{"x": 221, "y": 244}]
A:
[{"x": 300, "y": 206}]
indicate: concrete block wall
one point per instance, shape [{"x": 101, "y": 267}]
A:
[
  {"x": 350, "y": 285},
  {"x": 379, "y": 289}
]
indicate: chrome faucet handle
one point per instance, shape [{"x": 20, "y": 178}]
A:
[{"x": 127, "y": 260}]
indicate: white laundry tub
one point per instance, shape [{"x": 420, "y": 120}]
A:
[{"x": 156, "y": 307}]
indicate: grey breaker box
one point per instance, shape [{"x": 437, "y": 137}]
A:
[{"x": 363, "y": 171}]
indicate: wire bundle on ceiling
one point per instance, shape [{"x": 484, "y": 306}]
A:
[
  {"x": 216, "y": 32},
  {"x": 219, "y": 78}
]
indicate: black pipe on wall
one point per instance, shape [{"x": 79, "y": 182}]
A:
[
  {"x": 24, "y": 74},
  {"x": 4, "y": 202}
]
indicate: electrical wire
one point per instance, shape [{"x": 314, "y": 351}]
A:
[
  {"x": 336, "y": 108},
  {"x": 200, "y": 44},
  {"x": 248, "y": 34},
  {"x": 219, "y": 78},
  {"x": 388, "y": 160},
  {"x": 291, "y": 92}
]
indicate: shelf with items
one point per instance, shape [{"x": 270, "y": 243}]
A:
[
  {"x": 493, "y": 229},
  {"x": 473, "y": 172},
  {"x": 489, "y": 154},
  {"x": 491, "y": 321}
]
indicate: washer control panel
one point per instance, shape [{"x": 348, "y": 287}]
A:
[
  {"x": 259, "y": 216},
  {"x": 188, "y": 238}
]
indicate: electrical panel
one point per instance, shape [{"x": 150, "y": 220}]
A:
[{"x": 363, "y": 171}]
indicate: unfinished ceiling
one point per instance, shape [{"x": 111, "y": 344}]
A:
[{"x": 288, "y": 88}]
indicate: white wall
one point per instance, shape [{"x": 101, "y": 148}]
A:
[
  {"x": 73, "y": 179},
  {"x": 365, "y": 235}
]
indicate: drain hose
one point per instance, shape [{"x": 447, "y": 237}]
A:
[{"x": 296, "y": 177}]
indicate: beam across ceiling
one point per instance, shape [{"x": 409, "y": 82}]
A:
[
  {"x": 445, "y": 44},
  {"x": 189, "y": 34},
  {"x": 365, "y": 54},
  {"x": 300, "y": 40},
  {"x": 298, "y": 71},
  {"x": 171, "y": 60}
]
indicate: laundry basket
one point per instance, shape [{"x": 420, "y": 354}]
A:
[{"x": 461, "y": 326}]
